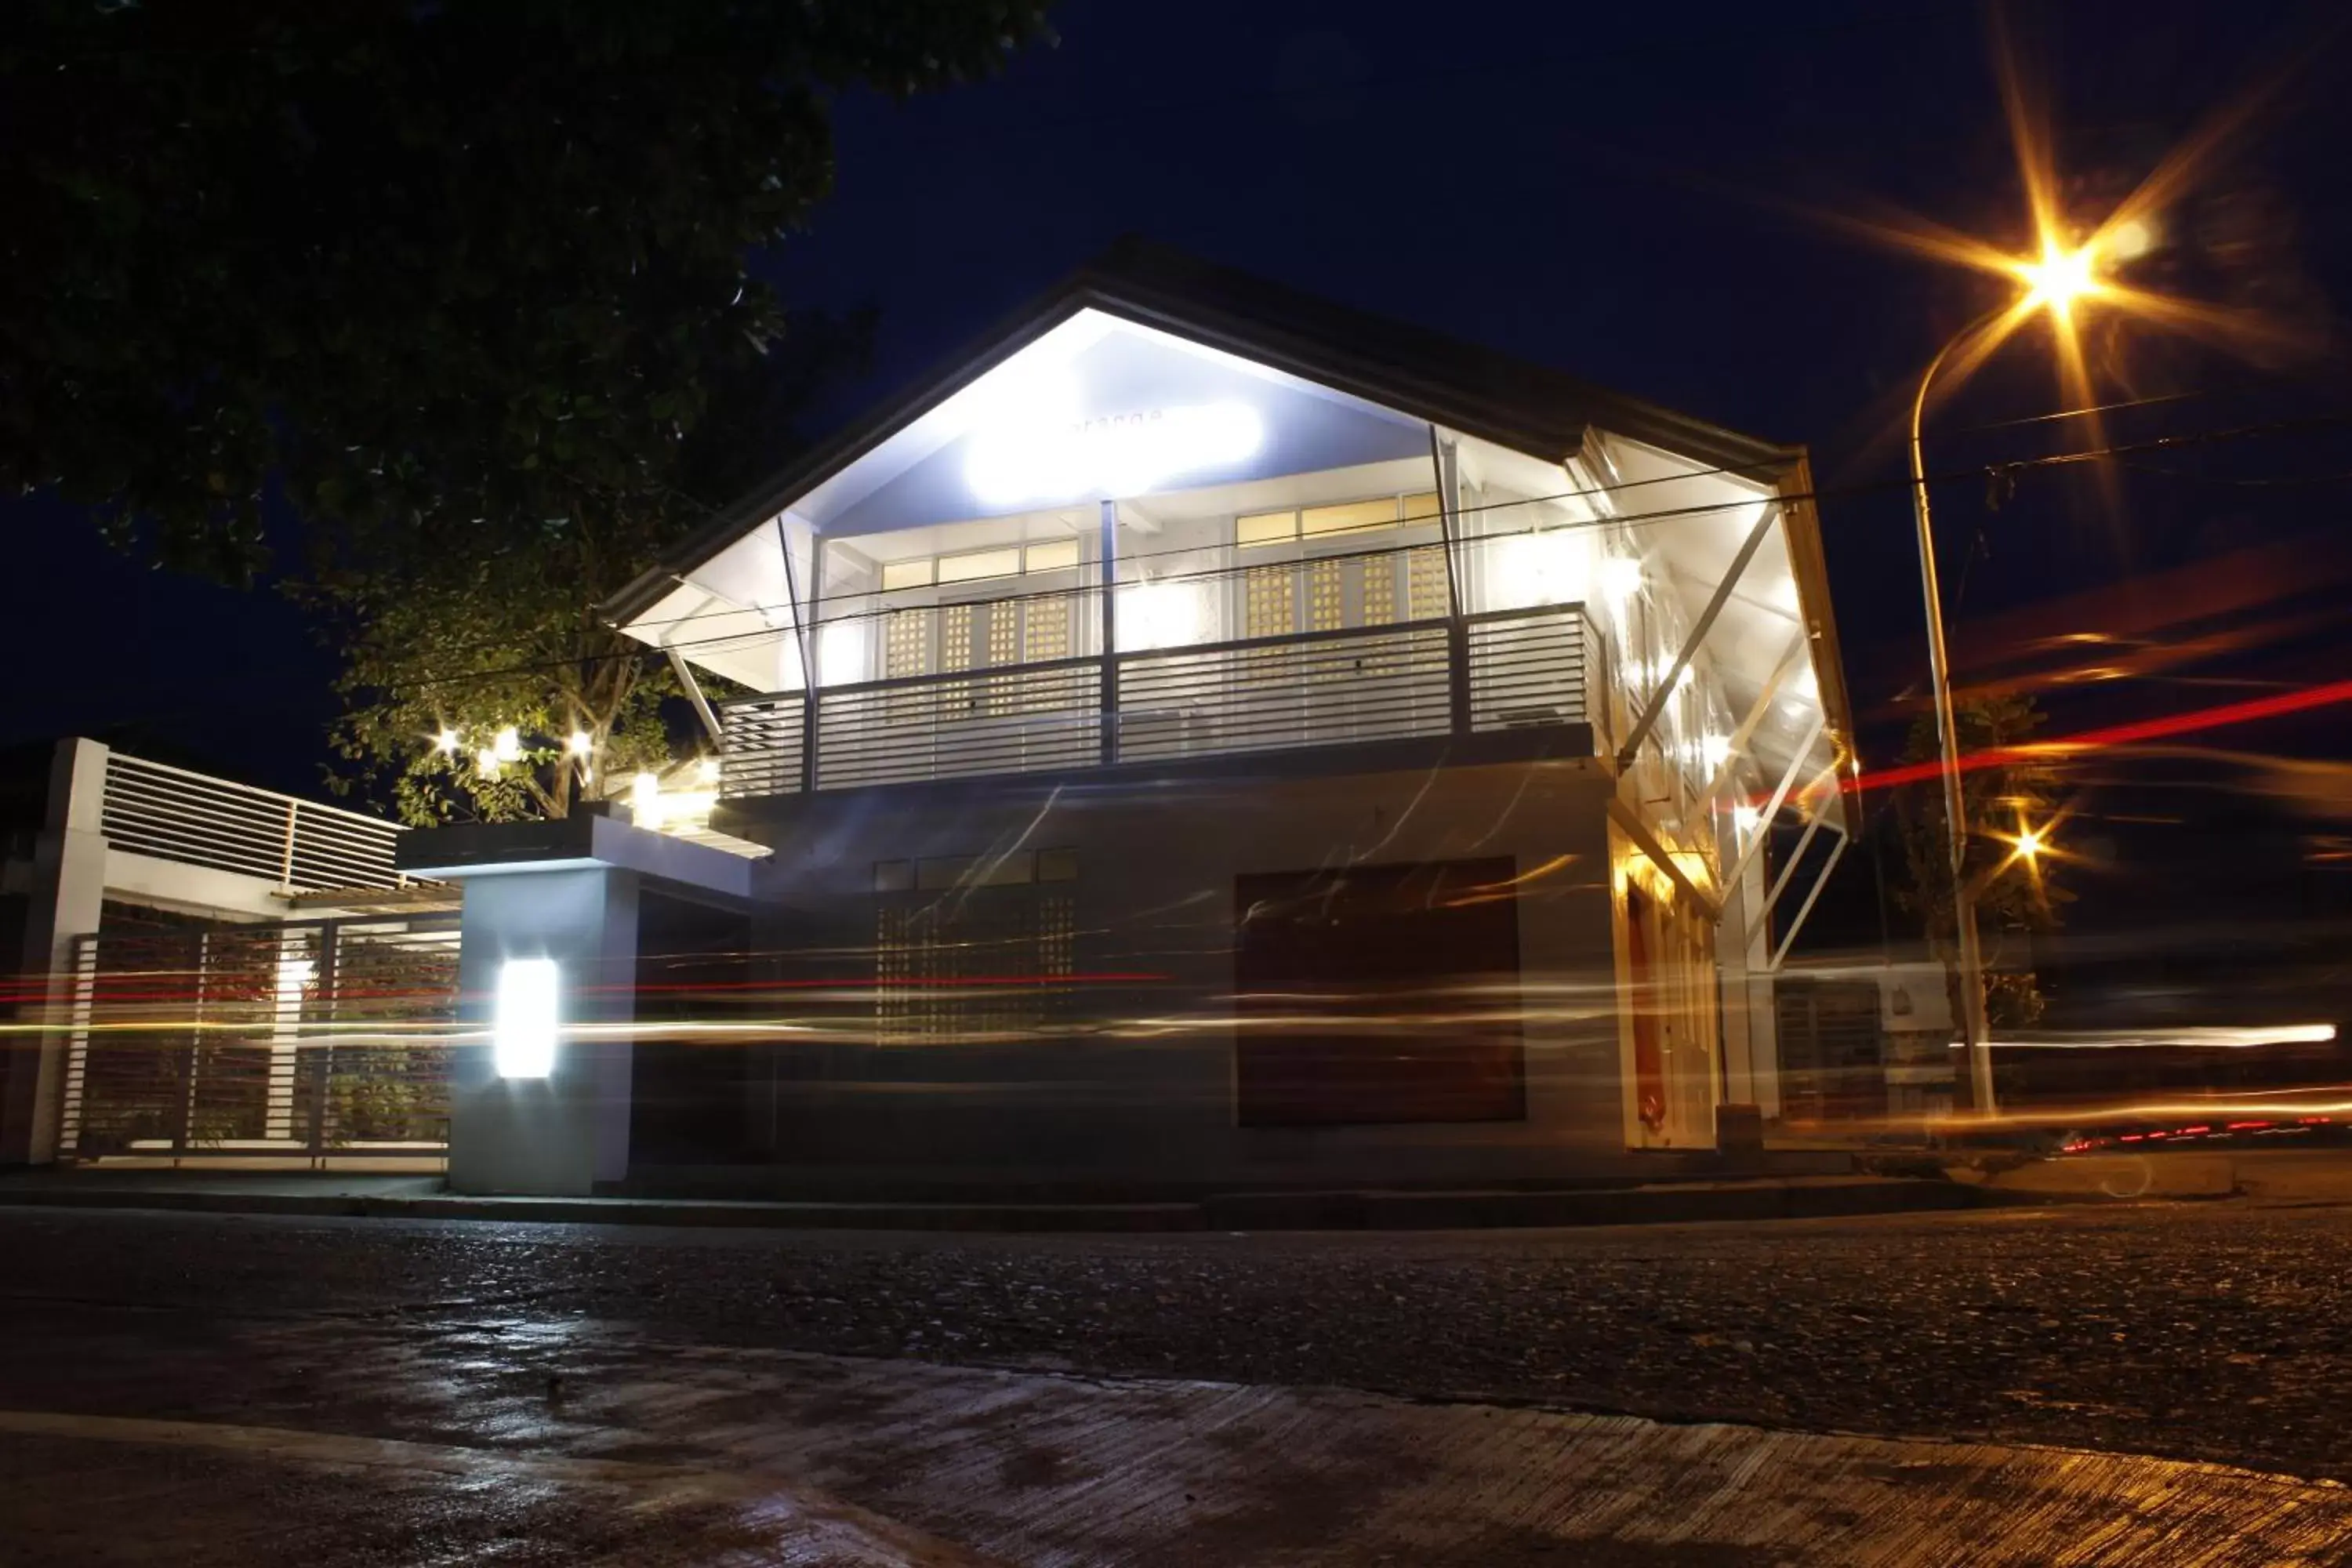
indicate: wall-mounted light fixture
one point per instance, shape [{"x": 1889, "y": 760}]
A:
[{"x": 523, "y": 1030}]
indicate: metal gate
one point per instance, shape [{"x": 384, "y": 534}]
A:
[{"x": 301, "y": 1042}]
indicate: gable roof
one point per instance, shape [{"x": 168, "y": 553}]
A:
[{"x": 1464, "y": 387}]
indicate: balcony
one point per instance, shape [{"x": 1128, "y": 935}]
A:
[{"x": 1499, "y": 670}]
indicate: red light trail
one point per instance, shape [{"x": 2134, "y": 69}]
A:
[{"x": 2139, "y": 730}]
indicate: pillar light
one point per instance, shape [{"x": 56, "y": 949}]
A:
[{"x": 523, "y": 1027}]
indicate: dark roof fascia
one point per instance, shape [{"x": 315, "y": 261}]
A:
[{"x": 1478, "y": 392}]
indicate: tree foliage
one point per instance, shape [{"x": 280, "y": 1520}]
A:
[
  {"x": 2016, "y": 895},
  {"x": 505, "y": 633},
  {"x": 436, "y": 267}
]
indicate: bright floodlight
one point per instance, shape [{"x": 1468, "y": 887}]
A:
[
  {"x": 522, "y": 1032},
  {"x": 2060, "y": 278},
  {"x": 2028, "y": 843}
]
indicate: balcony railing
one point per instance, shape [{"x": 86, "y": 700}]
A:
[{"x": 1518, "y": 668}]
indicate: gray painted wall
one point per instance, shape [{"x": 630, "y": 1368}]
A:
[{"x": 1146, "y": 1096}]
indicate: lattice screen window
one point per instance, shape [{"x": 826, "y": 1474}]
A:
[
  {"x": 1268, "y": 603},
  {"x": 1326, "y": 596},
  {"x": 1045, "y": 630},
  {"x": 1380, "y": 590},
  {"x": 937, "y": 939},
  {"x": 1003, "y": 634},
  {"x": 907, "y": 644},
  {"x": 1425, "y": 596}
]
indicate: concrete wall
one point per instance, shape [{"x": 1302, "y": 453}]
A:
[{"x": 1143, "y": 1092}]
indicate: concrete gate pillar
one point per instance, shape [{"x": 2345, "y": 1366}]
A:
[
  {"x": 566, "y": 1131},
  {"x": 565, "y": 892},
  {"x": 66, "y": 890}
]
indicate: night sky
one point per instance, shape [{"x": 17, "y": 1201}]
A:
[{"x": 1634, "y": 194}]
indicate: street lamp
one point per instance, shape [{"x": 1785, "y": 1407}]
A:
[{"x": 2053, "y": 281}]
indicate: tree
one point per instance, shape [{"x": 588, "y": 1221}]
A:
[
  {"x": 424, "y": 266},
  {"x": 443, "y": 649},
  {"x": 2016, "y": 894}
]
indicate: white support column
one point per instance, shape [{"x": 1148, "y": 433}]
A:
[
  {"x": 68, "y": 889},
  {"x": 297, "y": 969}
]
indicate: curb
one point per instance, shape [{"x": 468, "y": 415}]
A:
[{"x": 1470, "y": 1210}]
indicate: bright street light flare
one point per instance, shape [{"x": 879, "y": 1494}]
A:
[{"x": 2061, "y": 277}]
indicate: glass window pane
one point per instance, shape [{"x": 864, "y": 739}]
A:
[
  {"x": 1350, "y": 518},
  {"x": 971, "y": 568},
  {"x": 906, "y": 574},
  {"x": 1059, "y": 556},
  {"x": 1422, "y": 510},
  {"x": 1265, "y": 527}
]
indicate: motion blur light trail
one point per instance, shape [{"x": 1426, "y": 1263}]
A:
[
  {"x": 2139, "y": 730},
  {"x": 2219, "y": 1038}
]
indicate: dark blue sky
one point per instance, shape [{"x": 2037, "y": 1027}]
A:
[{"x": 1614, "y": 190}]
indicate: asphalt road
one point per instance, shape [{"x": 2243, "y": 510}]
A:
[{"x": 2217, "y": 1332}]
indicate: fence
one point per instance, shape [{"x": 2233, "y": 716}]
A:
[
  {"x": 284, "y": 1041},
  {"x": 172, "y": 814}
]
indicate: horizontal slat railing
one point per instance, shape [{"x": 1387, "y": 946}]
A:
[
  {"x": 1528, "y": 667},
  {"x": 1023, "y": 719},
  {"x": 763, "y": 743},
  {"x": 1274, "y": 693},
  {"x": 174, "y": 814}
]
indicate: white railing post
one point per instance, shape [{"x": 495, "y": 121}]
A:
[{"x": 286, "y": 866}]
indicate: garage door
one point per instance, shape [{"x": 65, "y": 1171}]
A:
[{"x": 1379, "y": 993}]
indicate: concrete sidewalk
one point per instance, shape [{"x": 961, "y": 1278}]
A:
[
  {"x": 425, "y": 1197},
  {"x": 626, "y": 1450}
]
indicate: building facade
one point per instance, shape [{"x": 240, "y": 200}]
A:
[{"x": 1205, "y": 737}]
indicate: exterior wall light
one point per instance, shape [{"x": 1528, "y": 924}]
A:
[
  {"x": 646, "y": 800},
  {"x": 522, "y": 1030}
]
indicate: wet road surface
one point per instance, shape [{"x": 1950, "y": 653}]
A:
[{"x": 2207, "y": 1332}]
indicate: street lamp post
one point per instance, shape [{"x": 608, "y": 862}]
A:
[
  {"x": 2053, "y": 282},
  {"x": 1976, "y": 1046}
]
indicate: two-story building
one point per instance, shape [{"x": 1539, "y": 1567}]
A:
[{"x": 1205, "y": 737}]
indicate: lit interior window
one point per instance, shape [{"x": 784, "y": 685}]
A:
[
  {"x": 1352, "y": 517},
  {"x": 906, "y": 574},
  {"x": 1056, "y": 555},
  {"x": 1265, "y": 527},
  {"x": 983, "y": 564}
]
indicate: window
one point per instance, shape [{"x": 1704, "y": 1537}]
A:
[
  {"x": 1265, "y": 527},
  {"x": 1354, "y": 517},
  {"x": 999, "y": 926},
  {"x": 1416, "y": 511},
  {"x": 1059, "y": 556},
  {"x": 980, "y": 564}
]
